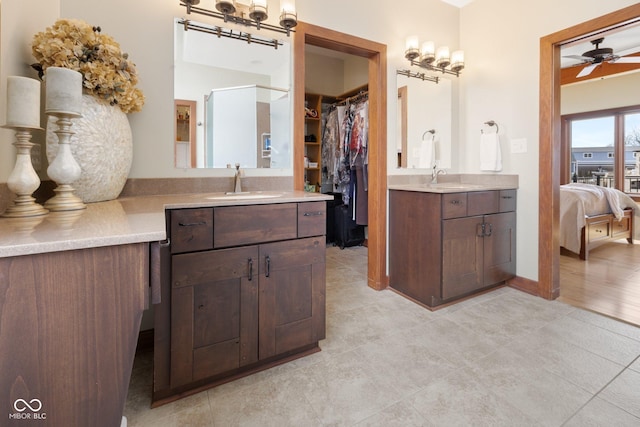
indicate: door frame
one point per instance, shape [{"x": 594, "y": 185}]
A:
[
  {"x": 376, "y": 53},
  {"x": 550, "y": 141}
]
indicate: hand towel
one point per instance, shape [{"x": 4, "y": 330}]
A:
[
  {"x": 490, "y": 155},
  {"x": 427, "y": 152}
]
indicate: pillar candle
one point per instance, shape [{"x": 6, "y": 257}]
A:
[
  {"x": 63, "y": 91},
  {"x": 23, "y": 102}
]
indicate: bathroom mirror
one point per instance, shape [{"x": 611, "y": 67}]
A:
[
  {"x": 424, "y": 106},
  {"x": 240, "y": 84}
]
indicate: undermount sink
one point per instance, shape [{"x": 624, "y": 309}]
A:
[{"x": 244, "y": 196}]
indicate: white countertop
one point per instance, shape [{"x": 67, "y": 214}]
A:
[{"x": 121, "y": 221}]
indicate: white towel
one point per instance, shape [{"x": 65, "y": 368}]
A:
[
  {"x": 427, "y": 152},
  {"x": 490, "y": 155}
]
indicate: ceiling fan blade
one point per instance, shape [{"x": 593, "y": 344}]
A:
[
  {"x": 587, "y": 70},
  {"x": 579, "y": 57},
  {"x": 628, "y": 60}
]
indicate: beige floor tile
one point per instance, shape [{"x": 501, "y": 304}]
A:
[
  {"x": 401, "y": 414},
  {"x": 461, "y": 399},
  {"x": 539, "y": 394},
  {"x": 624, "y": 392},
  {"x": 599, "y": 413},
  {"x": 613, "y": 325},
  {"x": 603, "y": 342},
  {"x": 635, "y": 365},
  {"x": 575, "y": 364}
]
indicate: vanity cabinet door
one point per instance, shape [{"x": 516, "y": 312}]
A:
[
  {"x": 499, "y": 248},
  {"x": 292, "y": 295},
  {"x": 462, "y": 256},
  {"x": 214, "y": 319}
]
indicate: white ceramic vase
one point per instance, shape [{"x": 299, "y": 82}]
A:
[{"x": 102, "y": 146}]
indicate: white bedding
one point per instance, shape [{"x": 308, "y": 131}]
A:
[{"x": 580, "y": 200}]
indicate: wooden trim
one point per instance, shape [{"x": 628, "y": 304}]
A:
[
  {"x": 525, "y": 285},
  {"x": 377, "y": 55},
  {"x": 550, "y": 133}
]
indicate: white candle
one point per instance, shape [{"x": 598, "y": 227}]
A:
[
  {"x": 23, "y": 102},
  {"x": 63, "y": 91}
]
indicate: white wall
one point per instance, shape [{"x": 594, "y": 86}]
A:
[
  {"x": 501, "y": 82},
  {"x": 601, "y": 94}
]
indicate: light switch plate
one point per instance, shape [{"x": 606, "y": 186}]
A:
[{"x": 519, "y": 145}]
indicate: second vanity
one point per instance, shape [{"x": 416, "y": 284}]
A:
[
  {"x": 237, "y": 280},
  {"x": 450, "y": 240}
]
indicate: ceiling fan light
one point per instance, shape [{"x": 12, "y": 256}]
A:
[
  {"x": 226, "y": 7},
  {"x": 442, "y": 57}
]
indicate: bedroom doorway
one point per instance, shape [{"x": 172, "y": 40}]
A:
[{"x": 550, "y": 132}]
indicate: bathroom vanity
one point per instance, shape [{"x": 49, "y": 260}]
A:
[
  {"x": 450, "y": 240},
  {"x": 239, "y": 287},
  {"x": 245, "y": 291}
]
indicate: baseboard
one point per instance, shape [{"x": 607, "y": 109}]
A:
[{"x": 524, "y": 285}]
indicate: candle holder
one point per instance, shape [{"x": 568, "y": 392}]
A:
[
  {"x": 23, "y": 180},
  {"x": 64, "y": 170}
]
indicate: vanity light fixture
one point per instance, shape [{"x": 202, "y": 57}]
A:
[
  {"x": 253, "y": 14},
  {"x": 421, "y": 76},
  {"x": 432, "y": 59}
]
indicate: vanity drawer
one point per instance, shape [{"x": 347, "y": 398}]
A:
[
  {"x": 242, "y": 225},
  {"x": 191, "y": 230},
  {"x": 312, "y": 219},
  {"x": 454, "y": 205},
  {"x": 483, "y": 202},
  {"x": 507, "y": 200}
]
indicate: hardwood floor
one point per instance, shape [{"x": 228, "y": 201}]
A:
[{"x": 608, "y": 283}]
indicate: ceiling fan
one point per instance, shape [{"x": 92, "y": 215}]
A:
[{"x": 598, "y": 55}]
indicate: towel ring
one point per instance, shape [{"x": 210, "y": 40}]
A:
[
  {"x": 431, "y": 131},
  {"x": 491, "y": 123}
]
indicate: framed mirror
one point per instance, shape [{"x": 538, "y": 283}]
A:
[
  {"x": 424, "y": 120},
  {"x": 240, "y": 86}
]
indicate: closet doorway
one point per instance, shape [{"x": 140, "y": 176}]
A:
[{"x": 375, "y": 53}]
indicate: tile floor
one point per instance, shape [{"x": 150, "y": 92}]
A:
[{"x": 503, "y": 358}]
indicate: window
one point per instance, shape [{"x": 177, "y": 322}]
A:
[{"x": 603, "y": 148}]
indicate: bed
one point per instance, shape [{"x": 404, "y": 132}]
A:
[{"x": 591, "y": 216}]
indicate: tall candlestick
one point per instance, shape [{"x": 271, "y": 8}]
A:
[
  {"x": 23, "y": 102},
  {"x": 63, "y": 91}
]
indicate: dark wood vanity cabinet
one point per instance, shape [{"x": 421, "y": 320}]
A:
[
  {"x": 446, "y": 246},
  {"x": 252, "y": 296}
]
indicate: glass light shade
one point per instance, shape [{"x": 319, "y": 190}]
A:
[
  {"x": 442, "y": 57},
  {"x": 288, "y": 6},
  {"x": 457, "y": 60},
  {"x": 226, "y": 6},
  {"x": 427, "y": 52},
  {"x": 411, "y": 51},
  {"x": 288, "y": 16},
  {"x": 258, "y": 10}
]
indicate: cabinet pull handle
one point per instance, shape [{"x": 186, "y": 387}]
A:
[
  {"x": 456, "y": 202},
  {"x": 319, "y": 213},
  {"x": 250, "y": 261},
  {"x": 268, "y": 265},
  {"x": 507, "y": 197},
  {"x": 192, "y": 224},
  {"x": 490, "y": 229}
]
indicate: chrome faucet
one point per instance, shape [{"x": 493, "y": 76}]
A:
[
  {"x": 237, "y": 181},
  {"x": 434, "y": 174}
]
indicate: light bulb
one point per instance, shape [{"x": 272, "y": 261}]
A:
[{"x": 457, "y": 60}]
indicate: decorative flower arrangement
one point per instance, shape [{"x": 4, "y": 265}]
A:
[{"x": 107, "y": 72}]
